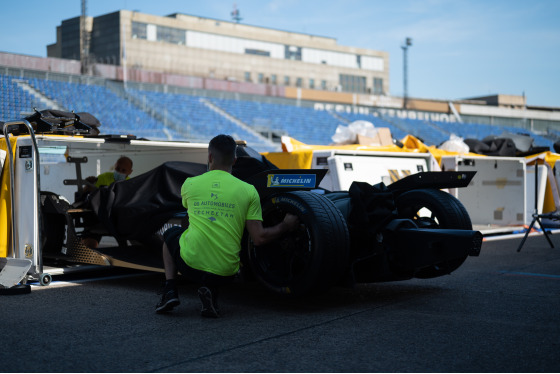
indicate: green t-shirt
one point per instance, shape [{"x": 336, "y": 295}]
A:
[
  {"x": 106, "y": 179},
  {"x": 218, "y": 205}
]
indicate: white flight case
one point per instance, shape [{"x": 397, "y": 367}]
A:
[
  {"x": 345, "y": 167},
  {"x": 502, "y": 192}
]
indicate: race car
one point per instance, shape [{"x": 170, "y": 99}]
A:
[{"x": 370, "y": 233}]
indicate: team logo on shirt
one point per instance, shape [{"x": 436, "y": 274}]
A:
[
  {"x": 214, "y": 196},
  {"x": 291, "y": 180}
]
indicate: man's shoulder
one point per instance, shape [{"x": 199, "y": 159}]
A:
[
  {"x": 236, "y": 183},
  {"x": 105, "y": 176},
  {"x": 196, "y": 177},
  {"x": 240, "y": 182}
]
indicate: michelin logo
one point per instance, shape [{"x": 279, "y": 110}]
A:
[{"x": 291, "y": 180}]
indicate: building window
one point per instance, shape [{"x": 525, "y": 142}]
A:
[
  {"x": 359, "y": 61},
  {"x": 247, "y": 76},
  {"x": 257, "y": 52},
  {"x": 323, "y": 84},
  {"x": 292, "y": 52},
  {"x": 286, "y": 81},
  {"x": 139, "y": 30},
  {"x": 298, "y": 82},
  {"x": 261, "y": 78},
  {"x": 311, "y": 83},
  {"x": 273, "y": 79},
  {"x": 378, "y": 86},
  {"x": 170, "y": 35},
  {"x": 352, "y": 83}
]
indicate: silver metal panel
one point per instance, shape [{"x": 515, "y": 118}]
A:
[{"x": 26, "y": 207}]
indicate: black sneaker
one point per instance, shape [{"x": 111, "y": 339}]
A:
[
  {"x": 208, "y": 308},
  {"x": 169, "y": 300}
]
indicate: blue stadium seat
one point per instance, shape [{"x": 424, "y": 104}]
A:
[{"x": 195, "y": 121}]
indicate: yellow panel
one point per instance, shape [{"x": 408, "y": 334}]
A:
[
  {"x": 291, "y": 160},
  {"x": 5, "y": 200}
]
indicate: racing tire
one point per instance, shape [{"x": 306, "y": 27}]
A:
[
  {"x": 434, "y": 209},
  {"x": 310, "y": 259}
]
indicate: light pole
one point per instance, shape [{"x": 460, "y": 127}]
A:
[
  {"x": 84, "y": 40},
  {"x": 407, "y": 43}
]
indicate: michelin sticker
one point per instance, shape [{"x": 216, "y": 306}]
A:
[{"x": 291, "y": 180}]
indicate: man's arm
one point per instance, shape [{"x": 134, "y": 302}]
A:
[{"x": 262, "y": 235}]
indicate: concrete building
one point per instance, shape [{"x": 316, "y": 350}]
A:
[{"x": 209, "y": 48}]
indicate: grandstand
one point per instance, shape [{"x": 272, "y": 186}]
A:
[{"x": 197, "y": 116}]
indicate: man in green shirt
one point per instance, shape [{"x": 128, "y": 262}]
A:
[
  {"x": 123, "y": 168},
  {"x": 219, "y": 206}
]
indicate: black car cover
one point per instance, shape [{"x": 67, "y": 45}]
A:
[{"x": 138, "y": 207}]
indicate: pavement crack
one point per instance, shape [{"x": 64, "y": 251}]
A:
[{"x": 269, "y": 338}]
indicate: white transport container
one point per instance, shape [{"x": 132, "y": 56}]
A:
[
  {"x": 345, "y": 167},
  {"x": 502, "y": 192}
]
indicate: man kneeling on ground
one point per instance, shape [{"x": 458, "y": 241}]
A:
[{"x": 219, "y": 207}]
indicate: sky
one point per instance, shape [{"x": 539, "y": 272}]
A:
[{"x": 460, "y": 48}]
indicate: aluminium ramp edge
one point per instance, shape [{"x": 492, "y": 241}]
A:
[{"x": 12, "y": 271}]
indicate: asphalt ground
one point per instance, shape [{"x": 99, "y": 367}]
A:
[{"x": 499, "y": 312}]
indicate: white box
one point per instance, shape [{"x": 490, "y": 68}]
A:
[
  {"x": 503, "y": 190},
  {"x": 345, "y": 167}
]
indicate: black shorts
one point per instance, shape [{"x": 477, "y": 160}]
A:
[{"x": 171, "y": 237}]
